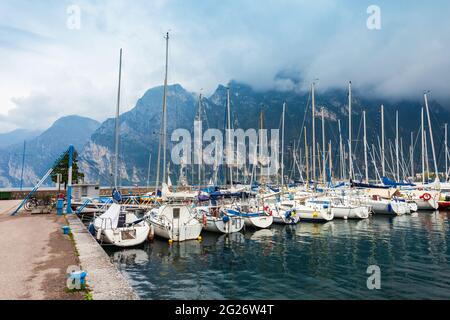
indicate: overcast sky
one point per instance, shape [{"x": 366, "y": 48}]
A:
[{"x": 49, "y": 70}]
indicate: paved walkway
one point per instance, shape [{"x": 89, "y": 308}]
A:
[{"x": 34, "y": 256}]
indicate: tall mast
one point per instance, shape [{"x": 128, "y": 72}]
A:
[
  {"x": 163, "y": 130},
  {"x": 341, "y": 152},
  {"x": 431, "y": 137},
  {"x": 330, "y": 160},
  {"x": 423, "y": 145},
  {"x": 412, "y": 155},
  {"x": 148, "y": 169},
  {"x": 199, "y": 118},
  {"x": 323, "y": 148},
  {"x": 318, "y": 155},
  {"x": 446, "y": 154},
  {"x": 365, "y": 147},
  {"x": 427, "y": 159},
  {"x": 282, "y": 147},
  {"x": 313, "y": 132},
  {"x": 165, "y": 109},
  {"x": 229, "y": 151},
  {"x": 396, "y": 146},
  {"x": 350, "y": 173},
  {"x": 260, "y": 144},
  {"x": 116, "y": 147},
  {"x": 402, "y": 156},
  {"x": 307, "y": 160},
  {"x": 383, "y": 168}
]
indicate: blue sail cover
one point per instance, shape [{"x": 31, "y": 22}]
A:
[
  {"x": 389, "y": 182},
  {"x": 116, "y": 195}
]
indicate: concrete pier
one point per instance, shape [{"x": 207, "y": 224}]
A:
[
  {"x": 34, "y": 256},
  {"x": 104, "y": 280}
]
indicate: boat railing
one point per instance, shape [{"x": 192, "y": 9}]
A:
[{"x": 95, "y": 202}]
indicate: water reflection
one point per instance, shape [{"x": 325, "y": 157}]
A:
[{"x": 307, "y": 261}]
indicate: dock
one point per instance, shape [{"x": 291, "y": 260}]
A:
[
  {"x": 35, "y": 256},
  {"x": 104, "y": 280}
]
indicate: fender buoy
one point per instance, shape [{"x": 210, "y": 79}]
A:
[
  {"x": 426, "y": 196},
  {"x": 204, "y": 220}
]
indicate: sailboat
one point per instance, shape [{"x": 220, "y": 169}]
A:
[
  {"x": 118, "y": 226},
  {"x": 254, "y": 216},
  {"x": 214, "y": 216},
  {"x": 216, "y": 219},
  {"x": 175, "y": 222}
]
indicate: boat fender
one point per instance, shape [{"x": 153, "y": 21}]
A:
[
  {"x": 389, "y": 207},
  {"x": 91, "y": 229},
  {"x": 288, "y": 214},
  {"x": 225, "y": 219},
  {"x": 151, "y": 233},
  {"x": 99, "y": 234},
  {"x": 204, "y": 220}
]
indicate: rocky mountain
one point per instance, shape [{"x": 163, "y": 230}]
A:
[
  {"x": 17, "y": 136},
  {"x": 43, "y": 150},
  {"x": 139, "y": 128},
  {"x": 139, "y": 135}
]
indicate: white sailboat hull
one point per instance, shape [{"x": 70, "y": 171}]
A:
[
  {"x": 311, "y": 214},
  {"x": 177, "y": 234},
  {"x": 218, "y": 225},
  {"x": 176, "y": 223},
  {"x": 124, "y": 237},
  {"x": 431, "y": 204},
  {"x": 413, "y": 207},
  {"x": 281, "y": 218},
  {"x": 388, "y": 207},
  {"x": 350, "y": 212},
  {"x": 259, "y": 222}
]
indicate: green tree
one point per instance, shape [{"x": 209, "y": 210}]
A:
[{"x": 63, "y": 168}]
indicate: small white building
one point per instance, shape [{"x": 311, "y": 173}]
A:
[{"x": 82, "y": 191}]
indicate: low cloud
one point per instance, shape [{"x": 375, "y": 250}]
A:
[{"x": 49, "y": 71}]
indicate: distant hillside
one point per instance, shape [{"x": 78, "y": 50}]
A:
[
  {"x": 17, "y": 136},
  {"x": 43, "y": 150}
]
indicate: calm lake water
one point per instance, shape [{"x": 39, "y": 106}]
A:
[{"x": 307, "y": 261}]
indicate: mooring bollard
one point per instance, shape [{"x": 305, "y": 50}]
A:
[
  {"x": 59, "y": 206},
  {"x": 78, "y": 279},
  {"x": 66, "y": 229}
]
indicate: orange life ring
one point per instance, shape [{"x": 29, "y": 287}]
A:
[{"x": 426, "y": 196}]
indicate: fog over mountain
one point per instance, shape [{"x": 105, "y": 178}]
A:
[
  {"x": 43, "y": 61},
  {"x": 139, "y": 129}
]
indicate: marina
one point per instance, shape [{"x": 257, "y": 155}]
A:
[
  {"x": 306, "y": 261},
  {"x": 224, "y": 152}
]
